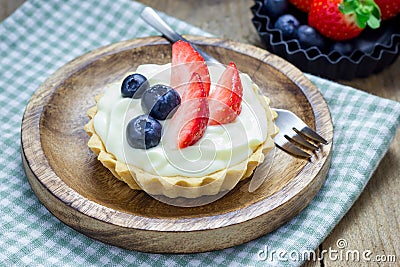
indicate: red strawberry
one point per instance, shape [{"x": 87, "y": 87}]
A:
[
  {"x": 185, "y": 62},
  {"x": 303, "y": 5},
  {"x": 389, "y": 8},
  {"x": 343, "y": 19},
  {"x": 225, "y": 101},
  {"x": 190, "y": 120}
]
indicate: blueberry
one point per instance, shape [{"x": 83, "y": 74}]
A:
[
  {"x": 343, "y": 48},
  {"x": 160, "y": 101},
  {"x": 364, "y": 45},
  {"x": 367, "y": 41},
  {"x": 134, "y": 86},
  {"x": 288, "y": 25},
  {"x": 275, "y": 8},
  {"x": 308, "y": 37},
  {"x": 143, "y": 132}
]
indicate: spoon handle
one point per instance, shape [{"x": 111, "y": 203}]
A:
[{"x": 150, "y": 16}]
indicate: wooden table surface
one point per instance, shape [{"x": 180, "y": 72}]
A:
[{"x": 373, "y": 223}]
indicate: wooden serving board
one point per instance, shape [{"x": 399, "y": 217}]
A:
[{"x": 68, "y": 179}]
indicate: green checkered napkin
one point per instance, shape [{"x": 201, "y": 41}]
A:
[{"x": 41, "y": 36}]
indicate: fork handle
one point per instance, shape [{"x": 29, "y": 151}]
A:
[{"x": 150, "y": 16}]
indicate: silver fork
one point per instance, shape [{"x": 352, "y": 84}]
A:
[{"x": 294, "y": 135}]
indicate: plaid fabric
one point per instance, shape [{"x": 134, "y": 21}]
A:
[{"x": 41, "y": 36}]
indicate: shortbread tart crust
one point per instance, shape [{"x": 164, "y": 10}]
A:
[{"x": 180, "y": 186}]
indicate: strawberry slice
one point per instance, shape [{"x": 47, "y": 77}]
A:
[
  {"x": 185, "y": 62},
  {"x": 225, "y": 101},
  {"x": 190, "y": 120}
]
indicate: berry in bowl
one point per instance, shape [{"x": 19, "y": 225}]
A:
[{"x": 337, "y": 39}]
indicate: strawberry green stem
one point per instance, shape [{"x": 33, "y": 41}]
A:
[{"x": 366, "y": 12}]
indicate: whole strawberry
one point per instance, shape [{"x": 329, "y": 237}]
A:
[
  {"x": 303, "y": 5},
  {"x": 343, "y": 19},
  {"x": 389, "y": 8}
]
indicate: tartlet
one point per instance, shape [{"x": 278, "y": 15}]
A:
[
  {"x": 176, "y": 186},
  {"x": 214, "y": 180}
]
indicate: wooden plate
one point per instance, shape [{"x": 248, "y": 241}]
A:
[{"x": 67, "y": 178}]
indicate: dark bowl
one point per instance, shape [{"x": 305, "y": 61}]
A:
[{"x": 371, "y": 52}]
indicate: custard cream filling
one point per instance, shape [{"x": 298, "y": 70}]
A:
[{"x": 220, "y": 147}]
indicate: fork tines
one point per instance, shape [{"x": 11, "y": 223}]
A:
[{"x": 295, "y": 137}]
